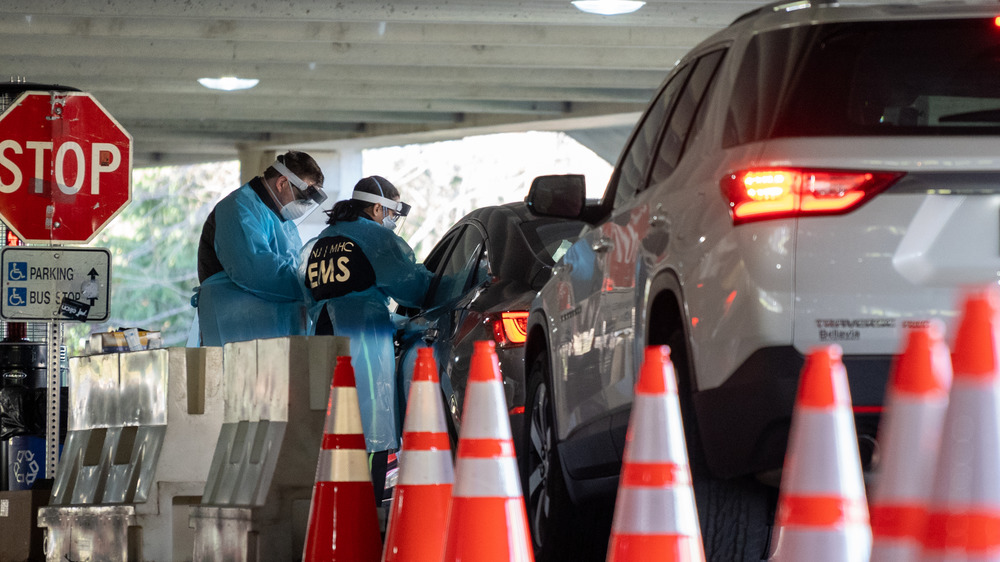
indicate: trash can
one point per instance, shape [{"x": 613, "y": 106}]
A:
[
  {"x": 22, "y": 363},
  {"x": 22, "y": 370},
  {"x": 26, "y": 454}
]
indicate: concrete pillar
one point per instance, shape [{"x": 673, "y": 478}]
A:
[
  {"x": 253, "y": 162},
  {"x": 341, "y": 170},
  {"x": 347, "y": 171}
]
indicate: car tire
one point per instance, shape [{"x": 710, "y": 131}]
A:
[
  {"x": 559, "y": 529},
  {"x": 546, "y": 499},
  {"x": 735, "y": 514}
]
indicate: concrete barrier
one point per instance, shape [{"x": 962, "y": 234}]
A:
[
  {"x": 137, "y": 454},
  {"x": 255, "y": 505}
]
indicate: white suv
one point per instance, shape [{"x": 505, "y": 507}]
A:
[{"x": 811, "y": 174}]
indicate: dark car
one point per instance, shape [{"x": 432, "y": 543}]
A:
[{"x": 487, "y": 269}]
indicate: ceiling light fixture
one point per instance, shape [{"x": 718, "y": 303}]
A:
[
  {"x": 608, "y": 7},
  {"x": 228, "y": 83}
]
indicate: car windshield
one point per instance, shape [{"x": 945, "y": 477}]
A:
[
  {"x": 896, "y": 78},
  {"x": 550, "y": 239}
]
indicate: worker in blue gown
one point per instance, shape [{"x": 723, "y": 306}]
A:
[
  {"x": 351, "y": 270},
  {"x": 248, "y": 255}
]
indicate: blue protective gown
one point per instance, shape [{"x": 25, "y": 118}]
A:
[
  {"x": 258, "y": 294},
  {"x": 386, "y": 268}
]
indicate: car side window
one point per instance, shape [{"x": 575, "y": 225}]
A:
[
  {"x": 632, "y": 172},
  {"x": 454, "y": 276},
  {"x": 689, "y": 104},
  {"x": 436, "y": 259}
]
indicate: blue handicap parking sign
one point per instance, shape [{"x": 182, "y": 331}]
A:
[
  {"x": 17, "y": 271},
  {"x": 17, "y": 296}
]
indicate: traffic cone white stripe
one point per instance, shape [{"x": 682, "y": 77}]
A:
[
  {"x": 342, "y": 465},
  {"x": 910, "y": 482},
  {"x": 824, "y": 464},
  {"x": 346, "y": 412},
  {"x": 966, "y": 437},
  {"x": 342, "y": 456},
  {"x": 482, "y": 478},
  {"x": 424, "y": 397},
  {"x": 425, "y": 468},
  {"x": 654, "y": 414},
  {"x": 485, "y": 423},
  {"x": 850, "y": 545},
  {"x": 666, "y": 503}
]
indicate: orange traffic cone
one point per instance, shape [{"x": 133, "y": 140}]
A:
[
  {"x": 909, "y": 436},
  {"x": 343, "y": 521},
  {"x": 419, "y": 518},
  {"x": 655, "y": 514},
  {"x": 822, "y": 510},
  {"x": 964, "y": 512},
  {"x": 488, "y": 522}
]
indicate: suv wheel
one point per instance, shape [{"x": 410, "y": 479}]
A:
[
  {"x": 560, "y": 530},
  {"x": 545, "y": 497}
]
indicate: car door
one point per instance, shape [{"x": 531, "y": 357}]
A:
[
  {"x": 414, "y": 330},
  {"x": 597, "y": 263},
  {"x": 458, "y": 283},
  {"x": 457, "y": 278},
  {"x": 604, "y": 375},
  {"x": 639, "y": 234}
]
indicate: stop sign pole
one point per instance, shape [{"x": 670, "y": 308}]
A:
[
  {"x": 65, "y": 172},
  {"x": 65, "y": 167}
]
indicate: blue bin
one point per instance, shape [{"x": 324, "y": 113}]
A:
[{"x": 26, "y": 458}]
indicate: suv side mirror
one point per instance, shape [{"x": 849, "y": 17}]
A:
[{"x": 558, "y": 196}]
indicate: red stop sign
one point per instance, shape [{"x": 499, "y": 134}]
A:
[{"x": 65, "y": 167}]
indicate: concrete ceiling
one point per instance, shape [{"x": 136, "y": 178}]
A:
[{"x": 381, "y": 71}]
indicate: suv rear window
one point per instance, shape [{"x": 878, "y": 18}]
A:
[{"x": 939, "y": 77}]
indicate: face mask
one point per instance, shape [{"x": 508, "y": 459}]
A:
[
  {"x": 295, "y": 209},
  {"x": 389, "y": 222}
]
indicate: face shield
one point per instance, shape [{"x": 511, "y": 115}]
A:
[
  {"x": 396, "y": 211},
  {"x": 307, "y": 197}
]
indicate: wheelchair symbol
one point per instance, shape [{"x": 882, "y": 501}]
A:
[
  {"x": 17, "y": 296},
  {"x": 18, "y": 271}
]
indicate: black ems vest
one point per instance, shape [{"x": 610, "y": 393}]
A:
[{"x": 336, "y": 267}]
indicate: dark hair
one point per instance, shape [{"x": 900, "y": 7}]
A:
[
  {"x": 352, "y": 209},
  {"x": 300, "y": 164}
]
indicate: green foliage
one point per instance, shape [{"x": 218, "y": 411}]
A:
[{"x": 154, "y": 250}]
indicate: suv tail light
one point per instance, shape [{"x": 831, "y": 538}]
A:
[
  {"x": 762, "y": 194},
  {"x": 511, "y": 329}
]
